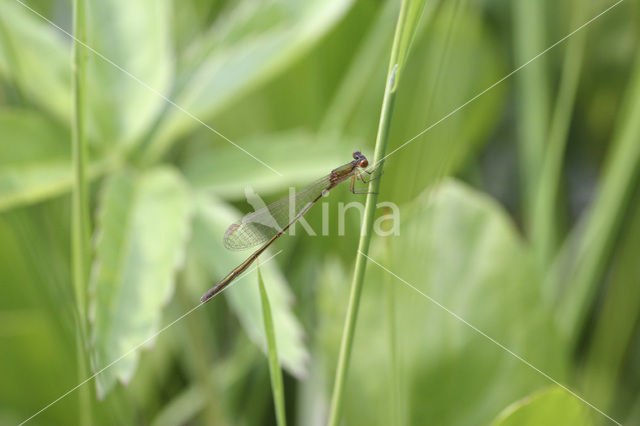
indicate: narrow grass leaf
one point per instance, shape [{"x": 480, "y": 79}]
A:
[
  {"x": 613, "y": 334},
  {"x": 80, "y": 220},
  {"x": 532, "y": 99},
  {"x": 583, "y": 269},
  {"x": 544, "y": 227},
  {"x": 405, "y": 28},
  {"x": 277, "y": 386}
]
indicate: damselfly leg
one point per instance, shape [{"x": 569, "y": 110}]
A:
[{"x": 374, "y": 174}]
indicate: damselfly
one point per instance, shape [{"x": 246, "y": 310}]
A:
[{"x": 268, "y": 223}]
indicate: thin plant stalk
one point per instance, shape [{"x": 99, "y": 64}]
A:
[
  {"x": 212, "y": 412},
  {"x": 392, "y": 341},
  {"x": 620, "y": 311},
  {"x": 605, "y": 216},
  {"x": 532, "y": 101},
  {"x": 80, "y": 240},
  {"x": 410, "y": 12},
  {"x": 544, "y": 227},
  {"x": 275, "y": 372}
]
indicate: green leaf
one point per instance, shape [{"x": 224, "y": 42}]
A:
[
  {"x": 35, "y": 161},
  {"x": 551, "y": 406},
  {"x": 582, "y": 266},
  {"x": 272, "y": 349},
  {"x": 211, "y": 220},
  {"x": 136, "y": 37},
  {"x": 243, "y": 49},
  {"x": 299, "y": 156},
  {"x": 460, "y": 248},
  {"x": 533, "y": 100},
  {"x": 143, "y": 225},
  {"x": 36, "y": 58},
  {"x": 612, "y": 337}
]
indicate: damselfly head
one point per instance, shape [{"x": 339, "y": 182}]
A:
[{"x": 361, "y": 160}]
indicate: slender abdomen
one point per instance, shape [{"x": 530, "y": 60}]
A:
[{"x": 228, "y": 279}]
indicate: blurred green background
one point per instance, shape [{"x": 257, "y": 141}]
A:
[{"x": 520, "y": 212}]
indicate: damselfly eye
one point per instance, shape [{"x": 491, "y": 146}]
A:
[
  {"x": 364, "y": 163},
  {"x": 356, "y": 155}
]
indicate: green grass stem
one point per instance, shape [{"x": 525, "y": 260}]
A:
[
  {"x": 410, "y": 12},
  {"x": 532, "y": 107},
  {"x": 277, "y": 386},
  {"x": 80, "y": 240},
  {"x": 544, "y": 226},
  {"x": 605, "y": 216}
]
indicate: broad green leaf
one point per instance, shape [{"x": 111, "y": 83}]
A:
[
  {"x": 272, "y": 350},
  {"x": 244, "y": 48},
  {"x": 553, "y": 406},
  {"x": 298, "y": 155},
  {"x": 211, "y": 220},
  {"x": 460, "y": 248},
  {"x": 136, "y": 37},
  {"x": 143, "y": 223},
  {"x": 36, "y": 58},
  {"x": 35, "y": 159}
]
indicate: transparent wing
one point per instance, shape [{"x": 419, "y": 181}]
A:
[{"x": 260, "y": 226}]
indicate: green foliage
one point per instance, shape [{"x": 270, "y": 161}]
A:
[
  {"x": 450, "y": 373},
  {"x": 217, "y": 171},
  {"x": 410, "y": 12},
  {"x": 274, "y": 365},
  {"x": 604, "y": 219},
  {"x": 446, "y": 70},
  {"x": 136, "y": 37},
  {"x": 132, "y": 275},
  {"x": 35, "y": 59},
  {"x": 34, "y": 158},
  {"x": 551, "y": 406},
  {"x": 518, "y": 211},
  {"x": 229, "y": 59},
  {"x": 211, "y": 220}
]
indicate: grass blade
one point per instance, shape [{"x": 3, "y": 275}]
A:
[
  {"x": 532, "y": 100},
  {"x": 605, "y": 216},
  {"x": 274, "y": 365},
  {"x": 544, "y": 229},
  {"x": 613, "y": 333},
  {"x": 79, "y": 196},
  {"x": 410, "y": 12},
  {"x": 80, "y": 242}
]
